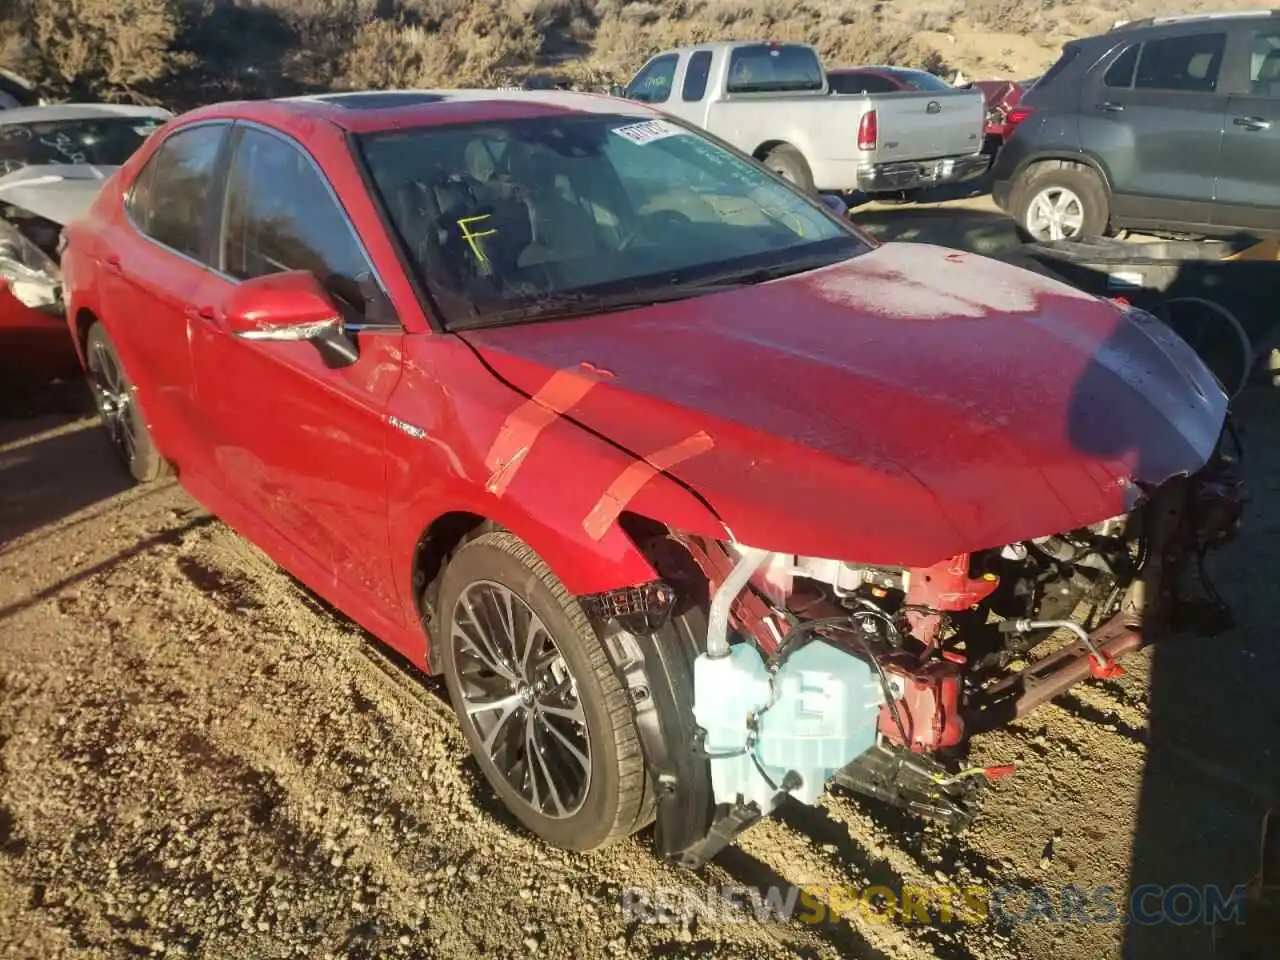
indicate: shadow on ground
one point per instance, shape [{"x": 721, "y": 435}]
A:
[
  {"x": 913, "y": 199},
  {"x": 1213, "y": 755},
  {"x": 52, "y": 466},
  {"x": 977, "y": 231}
]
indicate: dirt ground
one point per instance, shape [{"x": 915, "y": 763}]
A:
[{"x": 198, "y": 759}]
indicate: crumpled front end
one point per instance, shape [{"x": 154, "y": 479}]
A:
[
  {"x": 814, "y": 671},
  {"x": 32, "y": 276}
]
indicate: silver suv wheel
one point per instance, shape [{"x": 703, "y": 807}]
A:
[{"x": 1055, "y": 213}]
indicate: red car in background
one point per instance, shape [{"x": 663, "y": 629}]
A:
[
  {"x": 1003, "y": 114},
  {"x": 1002, "y": 96},
  {"x": 882, "y": 80},
  {"x": 696, "y": 496}
]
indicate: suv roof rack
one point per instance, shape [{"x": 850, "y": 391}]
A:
[{"x": 1191, "y": 17}]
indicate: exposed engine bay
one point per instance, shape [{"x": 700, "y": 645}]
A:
[
  {"x": 813, "y": 671},
  {"x": 53, "y": 162}
]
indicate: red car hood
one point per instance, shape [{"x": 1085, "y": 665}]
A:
[{"x": 901, "y": 407}]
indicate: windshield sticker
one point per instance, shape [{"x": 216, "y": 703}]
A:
[
  {"x": 649, "y": 131},
  {"x": 471, "y": 236}
]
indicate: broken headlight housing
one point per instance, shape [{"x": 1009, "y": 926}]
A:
[{"x": 32, "y": 277}]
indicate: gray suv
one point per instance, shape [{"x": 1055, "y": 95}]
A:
[{"x": 1162, "y": 125}]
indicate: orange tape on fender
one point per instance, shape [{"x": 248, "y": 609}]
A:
[
  {"x": 623, "y": 490},
  {"x": 521, "y": 428}
]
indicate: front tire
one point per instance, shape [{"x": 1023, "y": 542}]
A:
[
  {"x": 1061, "y": 202},
  {"x": 122, "y": 418},
  {"x": 546, "y": 715}
]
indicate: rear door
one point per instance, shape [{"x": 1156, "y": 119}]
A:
[
  {"x": 1247, "y": 191},
  {"x": 1152, "y": 114},
  {"x": 298, "y": 443},
  {"x": 157, "y": 261}
]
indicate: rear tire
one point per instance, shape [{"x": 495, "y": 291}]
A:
[
  {"x": 552, "y": 685},
  {"x": 122, "y": 419},
  {"x": 1053, "y": 201},
  {"x": 789, "y": 163}
]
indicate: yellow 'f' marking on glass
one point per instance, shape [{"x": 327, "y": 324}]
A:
[{"x": 471, "y": 236}]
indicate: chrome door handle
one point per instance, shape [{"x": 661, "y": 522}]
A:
[
  {"x": 1252, "y": 123},
  {"x": 1111, "y": 107}
]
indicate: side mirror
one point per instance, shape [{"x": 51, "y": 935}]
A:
[
  {"x": 290, "y": 306},
  {"x": 835, "y": 204},
  {"x": 617, "y": 90}
]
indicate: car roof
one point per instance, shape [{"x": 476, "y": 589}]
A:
[
  {"x": 1204, "y": 16},
  {"x": 875, "y": 68},
  {"x": 373, "y": 111},
  {"x": 80, "y": 111}
]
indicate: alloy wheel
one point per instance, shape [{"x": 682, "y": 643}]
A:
[
  {"x": 1055, "y": 213},
  {"x": 114, "y": 400},
  {"x": 521, "y": 699}
]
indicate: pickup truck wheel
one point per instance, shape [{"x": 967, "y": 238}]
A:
[
  {"x": 118, "y": 409},
  {"x": 1061, "y": 203},
  {"x": 546, "y": 716},
  {"x": 789, "y": 163}
]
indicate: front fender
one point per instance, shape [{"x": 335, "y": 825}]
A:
[{"x": 553, "y": 501}]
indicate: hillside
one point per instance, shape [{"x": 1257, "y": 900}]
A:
[{"x": 189, "y": 51}]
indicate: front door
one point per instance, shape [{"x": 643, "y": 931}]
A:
[
  {"x": 1248, "y": 187},
  {"x": 1154, "y": 116},
  {"x": 297, "y": 442}
]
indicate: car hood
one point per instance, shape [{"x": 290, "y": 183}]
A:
[
  {"x": 900, "y": 407},
  {"x": 60, "y": 192}
]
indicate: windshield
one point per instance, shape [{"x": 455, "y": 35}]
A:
[
  {"x": 551, "y": 216},
  {"x": 106, "y": 141}
]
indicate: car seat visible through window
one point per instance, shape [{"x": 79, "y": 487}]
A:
[{"x": 1267, "y": 81}]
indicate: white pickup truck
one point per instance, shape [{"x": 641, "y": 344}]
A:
[{"x": 773, "y": 101}]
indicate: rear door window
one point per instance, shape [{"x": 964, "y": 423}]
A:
[
  {"x": 653, "y": 83},
  {"x": 170, "y": 198},
  {"x": 1264, "y": 63},
  {"x": 695, "y": 77},
  {"x": 1188, "y": 64},
  {"x": 1120, "y": 73}
]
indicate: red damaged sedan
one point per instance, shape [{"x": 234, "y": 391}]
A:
[{"x": 696, "y": 496}]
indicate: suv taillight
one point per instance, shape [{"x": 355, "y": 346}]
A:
[
  {"x": 868, "y": 131},
  {"x": 1015, "y": 117}
]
